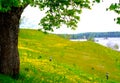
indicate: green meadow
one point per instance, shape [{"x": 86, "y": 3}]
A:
[{"x": 48, "y": 58}]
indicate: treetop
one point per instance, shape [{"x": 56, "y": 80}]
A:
[{"x": 58, "y": 12}]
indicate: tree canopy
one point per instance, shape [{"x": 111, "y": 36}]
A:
[
  {"x": 58, "y": 12},
  {"x": 116, "y": 8}
]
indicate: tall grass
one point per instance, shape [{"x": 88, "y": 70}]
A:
[{"x": 47, "y": 58}]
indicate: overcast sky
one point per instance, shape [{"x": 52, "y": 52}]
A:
[{"x": 95, "y": 20}]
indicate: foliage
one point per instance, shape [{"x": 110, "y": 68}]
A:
[
  {"x": 116, "y": 46},
  {"x": 116, "y": 8},
  {"x": 91, "y": 38},
  {"x": 112, "y": 45},
  {"x": 113, "y": 7},
  {"x": 58, "y": 12},
  {"x": 6, "y": 5},
  {"x": 62, "y": 12}
]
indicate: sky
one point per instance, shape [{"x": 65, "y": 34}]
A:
[{"x": 95, "y": 20}]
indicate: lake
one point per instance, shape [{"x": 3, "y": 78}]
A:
[{"x": 108, "y": 42}]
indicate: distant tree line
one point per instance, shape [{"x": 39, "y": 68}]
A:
[{"x": 91, "y": 35}]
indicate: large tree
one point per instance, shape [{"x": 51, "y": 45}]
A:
[{"x": 58, "y": 12}]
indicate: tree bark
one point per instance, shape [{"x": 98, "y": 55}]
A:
[{"x": 9, "y": 28}]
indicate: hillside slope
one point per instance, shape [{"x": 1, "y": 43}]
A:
[
  {"x": 47, "y": 58},
  {"x": 88, "y": 56}
]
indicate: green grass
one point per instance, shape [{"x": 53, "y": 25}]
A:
[{"x": 72, "y": 62}]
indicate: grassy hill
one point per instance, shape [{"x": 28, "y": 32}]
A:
[{"x": 47, "y": 58}]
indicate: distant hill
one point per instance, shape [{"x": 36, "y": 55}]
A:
[{"x": 92, "y": 34}]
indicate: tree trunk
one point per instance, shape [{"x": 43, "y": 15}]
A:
[{"x": 9, "y": 28}]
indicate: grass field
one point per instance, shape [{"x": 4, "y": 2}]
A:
[{"x": 47, "y": 58}]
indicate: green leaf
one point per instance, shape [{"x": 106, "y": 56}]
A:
[
  {"x": 118, "y": 20},
  {"x": 113, "y": 6},
  {"x": 98, "y": 1}
]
